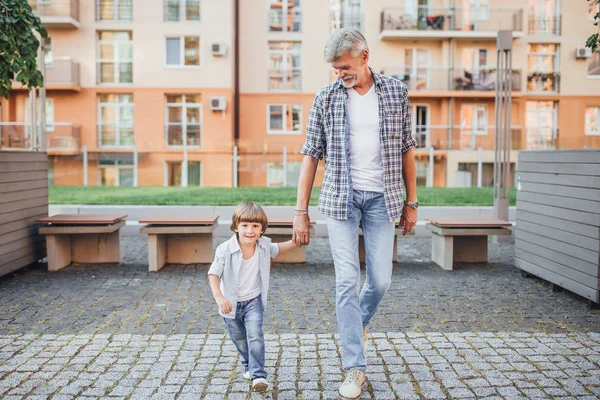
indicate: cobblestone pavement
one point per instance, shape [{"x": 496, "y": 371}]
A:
[{"x": 120, "y": 332}]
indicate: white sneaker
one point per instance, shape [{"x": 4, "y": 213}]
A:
[
  {"x": 247, "y": 375},
  {"x": 365, "y": 339},
  {"x": 352, "y": 386},
  {"x": 259, "y": 385}
]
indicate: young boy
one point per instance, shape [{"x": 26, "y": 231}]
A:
[{"x": 239, "y": 280}]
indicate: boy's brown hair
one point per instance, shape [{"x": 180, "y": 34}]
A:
[{"x": 249, "y": 211}]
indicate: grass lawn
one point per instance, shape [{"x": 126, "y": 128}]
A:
[{"x": 157, "y": 195}]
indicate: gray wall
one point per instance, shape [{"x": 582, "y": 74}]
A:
[
  {"x": 23, "y": 199},
  {"x": 558, "y": 218}
]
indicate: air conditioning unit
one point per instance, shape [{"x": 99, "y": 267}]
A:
[
  {"x": 583, "y": 52},
  {"x": 219, "y": 49},
  {"x": 218, "y": 103}
]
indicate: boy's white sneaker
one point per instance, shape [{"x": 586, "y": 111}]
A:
[
  {"x": 247, "y": 375},
  {"x": 352, "y": 386},
  {"x": 259, "y": 385}
]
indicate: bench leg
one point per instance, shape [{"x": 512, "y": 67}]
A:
[
  {"x": 190, "y": 248},
  {"x": 442, "y": 250},
  {"x": 59, "y": 251},
  {"x": 295, "y": 255},
  {"x": 91, "y": 248},
  {"x": 470, "y": 249},
  {"x": 157, "y": 252}
]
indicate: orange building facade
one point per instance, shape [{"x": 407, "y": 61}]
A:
[{"x": 217, "y": 93}]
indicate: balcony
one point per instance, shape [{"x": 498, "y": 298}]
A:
[
  {"x": 543, "y": 82},
  {"x": 431, "y": 79},
  {"x": 58, "y": 14},
  {"x": 446, "y": 137},
  {"x": 62, "y": 138},
  {"x": 544, "y": 25},
  {"x": 444, "y": 22},
  {"x": 62, "y": 74}
]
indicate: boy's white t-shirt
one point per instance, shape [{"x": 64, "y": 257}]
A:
[
  {"x": 366, "y": 165},
  {"x": 249, "y": 278}
]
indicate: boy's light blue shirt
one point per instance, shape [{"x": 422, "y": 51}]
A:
[{"x": 227, "y": 263}]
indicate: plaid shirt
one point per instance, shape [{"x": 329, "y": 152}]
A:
[{"x": 328, "y": 134}]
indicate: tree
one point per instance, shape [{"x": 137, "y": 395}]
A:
[
  {"x": 19, "y": 45},
  {"x": 593, "y": 41}
]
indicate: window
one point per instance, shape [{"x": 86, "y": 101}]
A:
[
  {"x": 182, "y": 10},
  {"x": 543, "y": 17},
  {"x": 541, "y": 124},
  {"x": 594, "y": 64},
  {"x": 184, "y": 119},
  {"x": 284, "y": 15},
  {"x": 593, "y": 10},
  {"x": 115, "y": 120},
  {"x": 113, "y": 10},
  {"x": 116, "y": 57},
  {"x": 284, "y": 118},
  {"x": 542, "y": 65},
  {"x": 416, "y": 68},
  {"x": 473, "y": 122},
  {"x": 48, "y": 55},
  {"x": 592, "y": 120},
  {"x": 284, "y": 66},
  {"x": 422, "y": 170},
  {"x": 116, "y": 172},
  {"x": 194, "y": 173},
  {"x": 183, "y": 51},
  {"x": 49, "y": 113},
  {"x": 346, "y": 14},
  {"x": 479, "y": 10},
  {"x": 420, "y": 124},
  {"x": 277, "y": 176}
]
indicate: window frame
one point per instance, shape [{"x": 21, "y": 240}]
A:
[
  {"x": 271, "y": 164},
  {"x": 116, "y": 61},
  {"x": 183, "y": 123},
  {"x": 116, "y": 11},
  {"x": 116, "y": 165},
  {"x": 271, "y": 131},
  {"x": 588, "y": 132},
  {"x": 589, "y": 60},
  {"x": 118, "y": 107},
  {"x": 181, "y": 12},
  {"x": 182, "y": 52},
  {"x": 286, "y": 69},
  {"x": 284, "y": 12},
  {"x": 555, "y": 66},
  {"x": 474, "y": 132}
]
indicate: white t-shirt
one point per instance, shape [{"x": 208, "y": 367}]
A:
[
  {"x": 365, "y": 150},
  {"x": 249, "y": 278}
]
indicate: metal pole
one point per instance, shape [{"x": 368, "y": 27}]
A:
[
  {"x": 135, "y": 166},
  {"x": 285, "y": 166},
  {"x": 235, "y": 166},
  {"x": 32, "y": 133},
  {"x": 430, "y": 170},
  {"x": 184, "y": 164},
  {"x": 43, "y": 144},
  {"x": 479, "y": 167}
]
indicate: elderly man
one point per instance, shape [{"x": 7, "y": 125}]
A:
[{"x": 361, "y": 124}]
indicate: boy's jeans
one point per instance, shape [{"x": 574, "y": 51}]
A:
[
  {"x": 354, "y": 311},
  {"x": 247, "y": 335}
]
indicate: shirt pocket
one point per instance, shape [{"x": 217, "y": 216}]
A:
[{"x": 393, "y": 121}]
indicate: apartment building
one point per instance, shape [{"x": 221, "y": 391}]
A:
[{"x": 129, "y": 80}]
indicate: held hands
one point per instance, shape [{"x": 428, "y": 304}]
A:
[
  {"x": 224, "y": 305},
  {"x": 408, "y": 219},
  {"x": 301, "y": 235}
]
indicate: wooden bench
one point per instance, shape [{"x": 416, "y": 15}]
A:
[
  {"x": 177, "y": 239},
  {"x": 457, "y": 239},
  {"x": 280, "y": 230},
  {"x": 82, "y": 238}
]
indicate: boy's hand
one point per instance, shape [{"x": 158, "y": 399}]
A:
[{"x": 224, "y": 305}]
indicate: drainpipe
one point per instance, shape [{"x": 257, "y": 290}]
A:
[{"x": 236, "y": 82}]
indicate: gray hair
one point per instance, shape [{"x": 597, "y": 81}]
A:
[{"x": 344, "y": 41}]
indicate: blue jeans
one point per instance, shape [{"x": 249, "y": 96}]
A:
[
  {"x": 353, "y": 310},
  {"x": 247, "y": 336}
]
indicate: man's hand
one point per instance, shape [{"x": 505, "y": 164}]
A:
[
  {"x": 224, "y": 305},
  {"x": 301, "y": 235},
  {"x": 408, "y": 220}
]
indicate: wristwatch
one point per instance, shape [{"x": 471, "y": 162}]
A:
[{"x": 413, "y": 204}]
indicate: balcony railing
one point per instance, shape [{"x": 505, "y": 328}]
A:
[
  {"x": 57, "y": 13},
  {"x": 63, "y": 136},
  {"x": 447, "y": 18},
  {"x": 483, "y": 79},
  {"x": 543, "y": 82},
  {"x": 446, "y": 78},
  {"x": 446, "y": 137},
  {"x": 545, "y": 25},
  {"x": 289, "y": 80},
  {"x": 64, "y": 71}
]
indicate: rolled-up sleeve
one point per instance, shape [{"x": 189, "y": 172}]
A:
[
  {"x": 274, "y": 249},
  {"x": 408, "y": 140},
  {"x": 315, "y": 136},
  {"x": 218, "y": 263}
]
